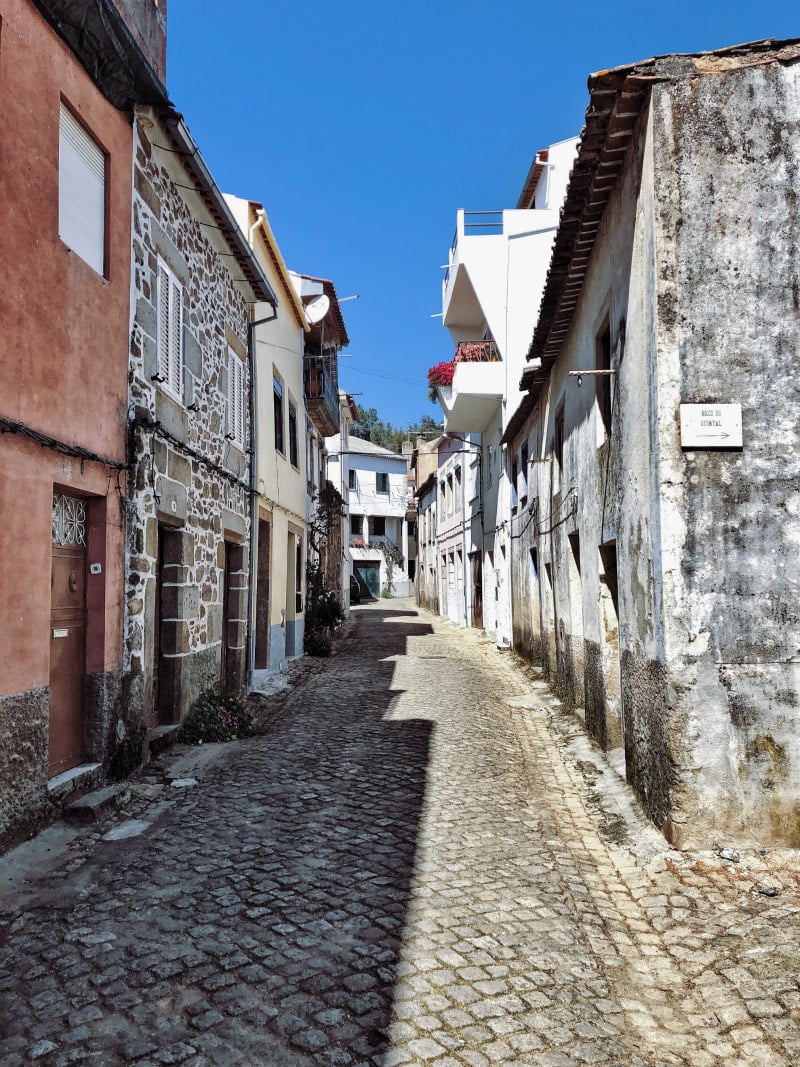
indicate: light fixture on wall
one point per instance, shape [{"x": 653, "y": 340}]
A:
[{"x": 579, "y": 374}]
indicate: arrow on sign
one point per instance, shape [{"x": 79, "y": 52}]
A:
[{"x": 723, "y": 434}]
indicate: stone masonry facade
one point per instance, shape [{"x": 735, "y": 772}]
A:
[{"x": 189, "y": 512}]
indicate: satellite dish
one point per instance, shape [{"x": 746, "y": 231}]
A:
[{"x": 317, "y": 309}]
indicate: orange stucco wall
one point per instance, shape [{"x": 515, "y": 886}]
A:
[
  {"x": 63, "y": 347},
  {"x": 64, "y": 357},
  {"x": 27, "y": 477}
]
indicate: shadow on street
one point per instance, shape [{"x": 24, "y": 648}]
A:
[{"x": 260, "y": 918}]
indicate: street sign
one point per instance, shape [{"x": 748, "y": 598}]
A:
[{"x": 711, "y": 425}]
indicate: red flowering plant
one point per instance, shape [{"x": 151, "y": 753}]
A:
[{"x": 440, "y": 375}]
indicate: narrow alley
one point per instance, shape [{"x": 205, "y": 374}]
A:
[{"x": 420, "y": 861}]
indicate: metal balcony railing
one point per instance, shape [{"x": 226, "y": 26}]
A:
[
  {"x": 321, "y": 393},
  {"x": 477, "y": 352}
]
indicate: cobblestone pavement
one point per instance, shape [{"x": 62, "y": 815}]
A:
[{"x": 422, "y": 861}]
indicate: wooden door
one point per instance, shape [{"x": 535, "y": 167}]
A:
[
  {"x": 155, "y": 712},
  {"x": 67, "y": 638},
  {"x": 262, "y": 596},
  {"x": 225, "y": 666},
  {"x": 477, "y": 591}
]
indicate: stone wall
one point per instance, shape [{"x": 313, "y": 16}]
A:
[{"x": 189, "y": 487}]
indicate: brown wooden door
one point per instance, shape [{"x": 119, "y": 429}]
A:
[
  {"x": 477, "y": 591},
  {"x": 67, "y": 657},
  {"x": 262, "y": 596},
  {"x": 155, "y": 711},
  {"x": 225, "y": 666}
]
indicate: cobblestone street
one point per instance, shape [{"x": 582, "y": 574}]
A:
[{"x": 420, "y": 861}]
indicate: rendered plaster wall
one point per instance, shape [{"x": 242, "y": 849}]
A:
[
  {"x": 726, "y": 178},
  {"x": 29, "y": 473},
  {"x": 600, "y": 650},
  {"x": 192, "y": 503},
  {"x": 281, "y": 484},
  {"x": 63, "y": 372}
]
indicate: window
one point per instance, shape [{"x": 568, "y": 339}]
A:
[
  {"x": 298, "y": 579},
  {"x": 81, "y": 191},
  {"x": 351, "y": 480},
  {"x": 514, "y": 474},
  {"x": 293, "y": 459},
  {"x": 356, "y": 527},
  {"x": 603, "y": 390},
  {"x": 277, "y": 408},
  {"x": 558, "y": 443},
  {"x": 449, "y": 494},
  {"x": 235, "y": 399},
  {"x": 523, "y": 473},
  {"x": 170, "y": 331},
  {"x": 457, "y": 490},
  {"x": 381, "y": 482},
  {"x": 379, "y": 526}
]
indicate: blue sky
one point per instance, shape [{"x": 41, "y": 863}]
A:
[{"x": 364, "y": 126}]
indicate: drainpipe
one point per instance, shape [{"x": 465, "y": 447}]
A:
[{"x": 253, "y": 412}]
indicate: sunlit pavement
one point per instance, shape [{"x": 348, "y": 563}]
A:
[{"x": 423, "y": 861}]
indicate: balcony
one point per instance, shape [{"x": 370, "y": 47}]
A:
[
  {"x": 321, "y": 394},
  {"x": 476, "y": 388}
]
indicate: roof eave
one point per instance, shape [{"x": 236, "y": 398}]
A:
[{"x": 218, "y": 207}]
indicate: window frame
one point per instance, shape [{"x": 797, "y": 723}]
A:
[
  {"x": 381, "y": 478},
  {"x": 82, "y": 190},
  {"x": 277, "y": 414},
  {"x": 294, "y": 454},
  {"x": 604, "y": 397},
  {"x": 236, "y": 399},
  {"x": 523, "y": 474},
  {"x": 169, "y": 333}
]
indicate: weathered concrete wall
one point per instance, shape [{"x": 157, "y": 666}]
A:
[
  {"x": 727, "y": 178},
  {"x": 591, "y": 627},
  {"x": 189, "y": 484}
]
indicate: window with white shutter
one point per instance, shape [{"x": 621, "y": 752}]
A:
[
  {"x": 170, "y": 331},
  {"x": 236, "y": 398},
  {"x": 81, "y": 191}
]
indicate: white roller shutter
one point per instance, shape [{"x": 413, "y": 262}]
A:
[{"x": 81, "y": 191}]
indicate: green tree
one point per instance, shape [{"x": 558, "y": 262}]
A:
[{"x": 370, "y": 427}]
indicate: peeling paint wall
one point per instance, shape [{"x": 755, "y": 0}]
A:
[
  {"x": 727, "y": 181},
  {"x": 689, "y": 567},
  {"x": 586, "y": 549}
]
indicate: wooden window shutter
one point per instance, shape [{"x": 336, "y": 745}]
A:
[
  {"x": 170, "y": 331},
  {"x": 236, "y": 397}
]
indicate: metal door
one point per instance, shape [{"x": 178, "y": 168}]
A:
[
  {"x": 370, "y": 575},
  {"x": 67, "y": 634}
]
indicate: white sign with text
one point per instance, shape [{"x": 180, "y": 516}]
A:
[{"x": 711, "y": 425}]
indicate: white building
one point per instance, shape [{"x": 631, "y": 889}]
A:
[
  {"x": 374, "y": 482},
  {"x": 490, "y": 297}
]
